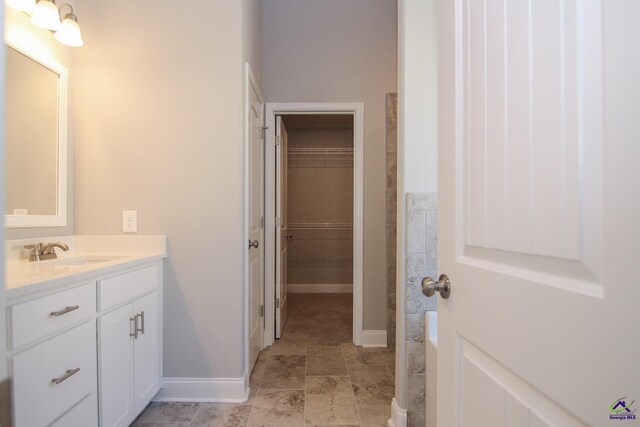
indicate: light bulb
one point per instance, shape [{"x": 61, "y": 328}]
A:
[
  {"x": 24, "y": 5},
  {"x": 46, "y": 15},
  {"x": 69, "y": 32}
]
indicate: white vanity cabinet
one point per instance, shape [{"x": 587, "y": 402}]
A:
[
  {"x": 53, "y": 362},
  {"x": 87, "y": 353},
  {"x": 128, "y": 345}
]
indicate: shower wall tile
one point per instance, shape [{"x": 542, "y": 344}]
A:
[
  {"x": 416, "y": 413},
  {"x": 392, "y": 105},
  {"x": 392, "y": 135},
  {"x": 392, "y": 201},
  {"x": 392, "y": 207},
  {"x": 421, "y": 261},
  {"x": 416, "y": 363},
  {"x": 392, "y": 170}
]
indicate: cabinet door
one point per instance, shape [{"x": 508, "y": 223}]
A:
[
  {"x": 84, "y": 414},
  {"x": 116, "y": 367},
  {"x": 146, "y": 357}
]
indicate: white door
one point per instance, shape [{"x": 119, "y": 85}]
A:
[
  {"x": 255, "y": 163},
  {"x": 145, "y": 351},
  {"x": 538, "y": 212},
  {"x": 115, "y": 360},
  {"x": 282, "y": 170}
]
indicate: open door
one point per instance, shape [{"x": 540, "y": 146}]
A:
[
  {"x": 538, "y": 213},
  {"x": 282, "y": 170},
  {"x": 255, "y": 164}
]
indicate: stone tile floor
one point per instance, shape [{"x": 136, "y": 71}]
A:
[{"x": 312, "y": 376}]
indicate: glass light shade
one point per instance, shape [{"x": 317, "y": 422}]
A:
[
  {"x": 46, "y": 15},
  {"x": 69, "y": 32},
  {"x": 24, "y": 5}
]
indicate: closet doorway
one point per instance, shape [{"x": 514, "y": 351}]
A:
[{"x": 314, "y": 207}]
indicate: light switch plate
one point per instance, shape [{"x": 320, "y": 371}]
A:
[{"x": 129, "y": 221}]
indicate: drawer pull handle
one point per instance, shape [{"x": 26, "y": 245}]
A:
[
  {"x": 141, "y": 329},
  {"x": 134, "y": 319},
  {"x": 64, "y": 311},
  {"x": 67, "y": 375}
]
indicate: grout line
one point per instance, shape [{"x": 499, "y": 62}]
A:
[{"x": 355, "y": 402}]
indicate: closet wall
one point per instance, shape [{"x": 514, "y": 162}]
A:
[{"x": 320, "y": 205}]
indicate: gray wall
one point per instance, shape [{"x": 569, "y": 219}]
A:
[
  {"x": 341, "y": 51},
  {"x": 159, "y": 130}
]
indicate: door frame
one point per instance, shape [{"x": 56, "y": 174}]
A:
[
  {"x": 352, "y": 108},
  {"x": 250, "y": 83}
]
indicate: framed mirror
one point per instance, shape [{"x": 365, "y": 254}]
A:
[{"x": 36, "y": 140}]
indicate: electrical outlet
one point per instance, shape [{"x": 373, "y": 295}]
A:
[{"x": 129, "y": 221}]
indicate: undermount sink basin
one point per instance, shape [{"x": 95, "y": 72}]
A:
[{"x": 84, "y": 260}]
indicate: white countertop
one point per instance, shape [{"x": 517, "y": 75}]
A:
[{"x": 107, "y": 254}]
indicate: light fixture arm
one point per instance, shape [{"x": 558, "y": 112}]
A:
[{"x": 69, "y": 15}]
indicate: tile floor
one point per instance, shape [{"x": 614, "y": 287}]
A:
[{"x": 312, "y": 376}]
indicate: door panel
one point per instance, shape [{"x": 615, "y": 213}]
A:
[
  {"x": 540, "y": 293},
  {"x": 255, "y": 161},
  {"x": 282, "y": 170},
  {"x": 145, "y": 350},
  {"x": 116, "y": 367},
  {"x": 256, "y": 228}
]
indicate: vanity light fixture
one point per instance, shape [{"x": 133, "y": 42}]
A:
[
  {"x": 28, "y": 6},
  {"x": 69, "y": 31},
  {"x": 45, "y": 14}
]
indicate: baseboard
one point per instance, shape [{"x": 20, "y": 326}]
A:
[
  {"x": 320, "y": 288},
  {"x": 398, "y": 415},
  {"x": 216, "y": 390},
  {"x": 374, "y": 338}
]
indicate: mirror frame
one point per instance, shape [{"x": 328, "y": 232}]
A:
[{"x": 60, "y": 218}]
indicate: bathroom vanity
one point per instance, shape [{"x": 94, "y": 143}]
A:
[{"x": 84, "y": 331}]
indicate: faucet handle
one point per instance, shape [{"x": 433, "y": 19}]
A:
[{"x": 36, "y": 251}]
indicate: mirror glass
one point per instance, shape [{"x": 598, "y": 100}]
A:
[{"x": 35, "y": 142}]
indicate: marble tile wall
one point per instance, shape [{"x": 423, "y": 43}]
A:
[
  {"x": 392, "y": 197},
  {"x": 421, "y": 260}
]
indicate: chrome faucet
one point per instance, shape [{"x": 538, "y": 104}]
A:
[{"x": 41, "y": 251}]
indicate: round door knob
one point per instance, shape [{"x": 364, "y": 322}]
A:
[
  {"x": 254, "y": 244},
  {"x": 289, "y": 236},
  {"x": 430, "y": 286}
]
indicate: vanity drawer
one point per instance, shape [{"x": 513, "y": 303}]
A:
[
  {"x": 70, "y": 359},
  {"x": 40, "y": 317},
  {"x": 118, "y": 289},
  {"x": 84, "y": 414}
]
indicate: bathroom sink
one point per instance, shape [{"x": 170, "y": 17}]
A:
[{"x": 84, "y": 260}]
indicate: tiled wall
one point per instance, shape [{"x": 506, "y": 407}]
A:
[
  {"x": 392, "y": 197},
  {"x": 421, "y": 261}
]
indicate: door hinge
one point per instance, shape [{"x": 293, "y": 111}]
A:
[
  {"x": 263, "y": 131},
  {"x": 278, "y": 222},
  {"x": 277, "y": 140},
  {"x": 278, "y": 302},
  {"x": 261, "y": 221},
  {"x": 262, "y": 311}
]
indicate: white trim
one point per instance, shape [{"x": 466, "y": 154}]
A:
[
  {"x": 398, "y": 415},
  {"x": 216, "y": 390},
  {"x": 320, "y": 288},
  {"x": 23, "y": 46},
  {"x": 374, "y": 338},
  {"x": 249, "y": 81},
  {"x": 357, "y": 110}
]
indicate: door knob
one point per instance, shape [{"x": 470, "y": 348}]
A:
[
  {"x": 289, "y": 236},
  {"x": 254, "y": 244},
  {"x": 430, "y": 286}
]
